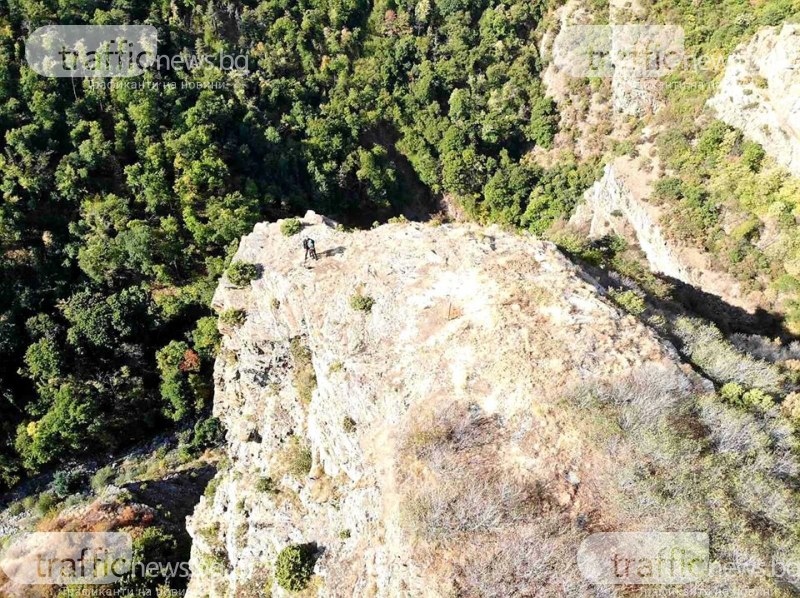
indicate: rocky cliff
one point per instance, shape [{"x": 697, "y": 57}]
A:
[
  {"x": 398, "y": 405},
  {"x": 617, "y": 203},
  {"x": 759, "y": 93},
  {"x": 610, "y": 205}
]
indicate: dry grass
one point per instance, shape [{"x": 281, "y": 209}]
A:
[
  {"x": 683, "y": 461},
  {"x": 531, "y": 560},
  {"x": 305, "y": 378},
  {"x": 295, "y": 458},
  {"x": 483, "y": 529},
  {"x": 706, "y": 346}
]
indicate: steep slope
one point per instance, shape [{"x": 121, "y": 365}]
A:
[
  {"x": 474, "y": 332},
  {"x": 449, "y": 410},
  {"x": 759, "y": 90},
  {"x": 618, "y": 203}
]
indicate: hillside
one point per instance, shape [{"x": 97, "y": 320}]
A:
[
  {"x": 463, "y": 426},
  {"x": 558, "y": 293}
]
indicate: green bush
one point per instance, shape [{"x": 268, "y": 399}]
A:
[
  {"x": 233, "y": 317},
  {"x": 68, "y": 481},
  {"x": 267, "y": 485},
  {"x": 752, "y": 156},
  {"x": 102, "y": 478},
  {"x": 153, "y": 545},
  {"x": 241, "y": 273},
  {"x": 630, "y": 301},
  {"x": 294, "y": 566},
  {"x": 291, "y": 226},
  {"x": 667, "y": 190},
  {"x": 349, "y": 424},
  {"x": 211, "y": 488},
  {"x": 207, "y": 433},
  {"x": 755, "y": 398},
  {"x": 46, "y": 502},
  {"x": 361, "y": 302},
  {"x": 732, "y": 393},
  {"x": 206, "y": 337}
]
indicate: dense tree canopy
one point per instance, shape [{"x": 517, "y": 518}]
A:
[{"x": 121, "y": 204}]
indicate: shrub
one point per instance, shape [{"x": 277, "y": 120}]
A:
[
  {"x": 630, "y": 301},
  {"x": 207, "y": 433},
  {"x": 67, "y": 481},
  {"x": 291, "y": 226},
  {"x": 349, "y": 424},
  {"x": 233, "y": 317},
  {"x": 206, "y": 337},
  {"x": 241, "y": 273},
  {"x": 361, "y": 302},
  {"x": 305, "y": 378},
  {"x": 102, "y": 478},
  {"x": 731, "y": 393},
  {"x": 754, "y": 398},
  {"x": 791, "y": 407},
  {"x": 752, "y": 156},
  {"x": 151, "y": 545},
  {"x": 708, "y": 349},
  {"x": 336, "y": 366},
  {"x": 667, "y": 190},
  {"x": 453, "y": 482},
  {"x": 45, "y": 503},
  {"x": 297, "y": 458},
  {"x": 294, "y": 566},
  {"x": 267, "y": 485},
  {"x": 211, "y": 488},
  {"x": 757, "y": 399}
]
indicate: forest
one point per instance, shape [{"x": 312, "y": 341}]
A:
[{"x": 122, "y": 204}]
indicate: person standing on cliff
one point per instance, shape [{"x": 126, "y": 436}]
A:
[{"x": 308, "y": 245}]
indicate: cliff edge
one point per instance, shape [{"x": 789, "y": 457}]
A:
[{"x": 400, "y": 407}]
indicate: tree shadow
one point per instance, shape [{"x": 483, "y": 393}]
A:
[
  {"x": 178, "y": 494},
  {"x": 174, "y": 498},
  {"x": 727, "y": 317}
]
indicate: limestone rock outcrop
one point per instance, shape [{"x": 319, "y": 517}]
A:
[
  {"x": 610, "y": 203},
  {"x": 760, "y": 93},
  {"x": 396, "y": 405},
  {"x": 617, "y": 204}
]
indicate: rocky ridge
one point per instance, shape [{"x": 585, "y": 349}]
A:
[
  {"x": 413, "y": 436},
  {"x": 759, "y": 93},
  {"x": 617, "y": 204}
]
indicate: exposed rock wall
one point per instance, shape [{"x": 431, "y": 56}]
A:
[
  {"x": 610, "y": 204},
  {"x": 760, "y": 93},
  {"x": 617, "y": 203},
  {"x": 480, "y": 328}
]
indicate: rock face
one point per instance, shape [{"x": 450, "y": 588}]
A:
[
  {"x": 413, "y": 436},
  {"x": 610, "y": 203},
  {"x": 617, "y": 203},
  {"x": 636, "y": 89},
  {"x": 625, "y": 54},
  {"x": 760, "y": 93}
]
